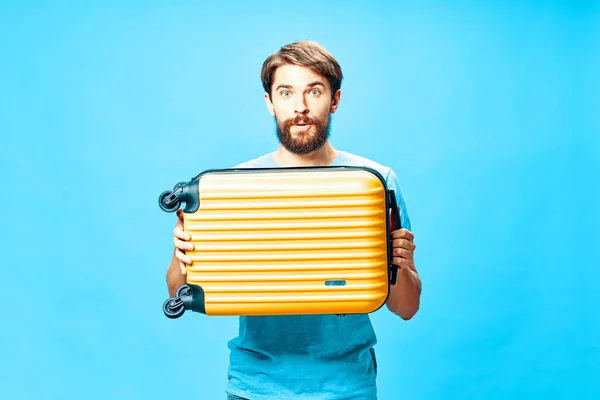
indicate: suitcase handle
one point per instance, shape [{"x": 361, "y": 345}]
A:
[
  {"x": 395, "y": 224},
  {"x": 395, "y": 215}
]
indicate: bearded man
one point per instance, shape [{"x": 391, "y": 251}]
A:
[{"x": 309, "y": 356}]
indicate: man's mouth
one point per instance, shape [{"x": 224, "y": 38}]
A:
[{"x": 302, "y": 127}]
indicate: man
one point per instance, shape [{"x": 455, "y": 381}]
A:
[{"x": 310, "y": 356}]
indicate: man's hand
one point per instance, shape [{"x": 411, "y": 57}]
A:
[
  {"x": 180, "y": 240},
  {"x": 403, "y": 249},
  {"x": 404, "y": 298}
]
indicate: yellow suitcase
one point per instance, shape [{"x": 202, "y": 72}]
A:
[{"x": 283, "y": 241}]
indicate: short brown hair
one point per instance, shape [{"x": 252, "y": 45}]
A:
[{"x": 304, "y": 53}]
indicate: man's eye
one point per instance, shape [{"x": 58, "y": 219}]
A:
[
  {"x": 315, "y": 92},
  {"x": 286, "y": 93}
]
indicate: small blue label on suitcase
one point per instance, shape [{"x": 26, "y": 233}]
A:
[{"x": 337, "y": 282}]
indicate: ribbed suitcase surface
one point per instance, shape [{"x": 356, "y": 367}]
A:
[{"x": 290, "y": 242}]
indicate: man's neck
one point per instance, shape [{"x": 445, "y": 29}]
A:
[{"x": 322, "y": 157}]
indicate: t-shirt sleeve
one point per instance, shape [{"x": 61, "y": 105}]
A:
[{"x": 393, "y": 183}]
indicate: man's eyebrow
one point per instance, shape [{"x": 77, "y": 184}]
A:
[{"x": 311, "y": 84}]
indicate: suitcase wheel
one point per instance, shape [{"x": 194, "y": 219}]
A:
[
  {"x": 168, "y": 202},
  {"x": 174, "y": 307},
  {"x": 184, "y": 290}
]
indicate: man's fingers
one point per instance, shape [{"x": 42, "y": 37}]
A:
[
  {"x": 182, "y": 257},
  {"x": 181, "y": 234},
  {"x": 403, "y": 234},
  {"x": 404, "y": 244},
  {"x": 182, "y": 245},
  {"x": 402, "y": 253}
]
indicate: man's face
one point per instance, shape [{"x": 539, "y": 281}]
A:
[{"x": 301, "y": 102}]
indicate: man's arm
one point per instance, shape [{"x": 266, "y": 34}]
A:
[{"x": 405, "y": 295}]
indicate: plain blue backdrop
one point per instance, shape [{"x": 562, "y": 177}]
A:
[{"x": 487, "y": 111}]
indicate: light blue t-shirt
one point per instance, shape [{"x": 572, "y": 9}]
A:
[{"x": 316, "y": 357}]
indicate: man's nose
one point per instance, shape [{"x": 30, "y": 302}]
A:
[{"x": 300, "y": 105}]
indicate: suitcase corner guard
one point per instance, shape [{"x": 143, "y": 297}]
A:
[
  {"x": 188, "y": 297},
  {"x": 170, "y": 200}
]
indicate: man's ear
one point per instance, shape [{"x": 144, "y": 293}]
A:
[
  {"x": 335, "y": 102},
  {"x": 269, "y": 104}
]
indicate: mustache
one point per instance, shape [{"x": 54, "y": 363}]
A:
[
  {"x": 300, "y": 119},
  {"x": 303, "y": 119}
]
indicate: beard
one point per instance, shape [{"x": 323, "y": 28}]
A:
[{"x": 303, "y": 142}]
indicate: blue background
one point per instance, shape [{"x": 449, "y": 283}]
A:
[{"x": 487, "y": 111}]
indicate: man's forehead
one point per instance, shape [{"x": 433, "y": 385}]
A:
[{"x": 296, "y": 75}]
